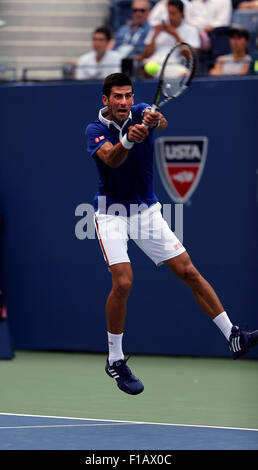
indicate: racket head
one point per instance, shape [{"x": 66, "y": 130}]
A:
[{"x": 177, "y": 72}]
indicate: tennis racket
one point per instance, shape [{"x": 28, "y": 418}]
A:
[{"x": 177, "y": 72}]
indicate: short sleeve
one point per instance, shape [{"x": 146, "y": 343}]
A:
[
  {"x": 193, "y": 37},
  {"x": 83, "y": 70},
  {"x": 149, "y": 37},
  {"x": 95, "y": 138},
  {"x": 119, "y": 36},
  {"x": 140, "y": 108}
]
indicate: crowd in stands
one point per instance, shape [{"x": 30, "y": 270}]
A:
[{"x": 153, "y": 28}]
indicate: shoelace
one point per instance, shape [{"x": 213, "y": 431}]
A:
[{"x": 126, "y": 371}]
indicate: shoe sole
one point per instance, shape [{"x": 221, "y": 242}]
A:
[
  {"x": 130, "y": 392},
  {"x": 137, "y": 392}
]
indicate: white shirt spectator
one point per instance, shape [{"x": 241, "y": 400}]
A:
[
  {"x": 89, "y": 68},
  {"x": 200, "y": 13},
  {"x": 159, "y": 13},
  {"x": 212, "y": 13},
  {"x": 165, "y": 41}
]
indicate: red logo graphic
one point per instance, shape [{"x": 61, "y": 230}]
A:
[
  {"x": 182, "y": 178},
  {"x": 180, "y": 161},
  {"x": 177, "y": 246},
  {"x": 98, "y": 139}
]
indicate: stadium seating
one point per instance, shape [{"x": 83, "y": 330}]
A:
[
  {"x": 248, "y": 19},
  {"x": 47, "y": 34}
]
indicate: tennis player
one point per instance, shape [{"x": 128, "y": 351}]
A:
[{"x": 123, "y": 150}]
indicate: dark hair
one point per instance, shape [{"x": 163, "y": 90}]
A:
[
  {"x": 115, "y": 79},
  {"x": 176, "y": 3},
  {"x": 239, "y": 30},
  {"x": 105, "y": 31}
]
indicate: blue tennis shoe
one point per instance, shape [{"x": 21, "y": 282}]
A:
[
  {"x": 124, "y": 377},
  {"x": 241, "y": 341}
]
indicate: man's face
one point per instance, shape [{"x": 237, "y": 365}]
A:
[
  {"x": 119, "y": 103},
  {"x": 99, "y": 42},
  {"x": 140, "y": 11},
  {"x": 175, "y": 16},
  {"x": 238, "y": 43}
]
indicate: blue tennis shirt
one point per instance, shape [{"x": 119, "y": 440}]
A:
[{"x": 131, "y": 182}]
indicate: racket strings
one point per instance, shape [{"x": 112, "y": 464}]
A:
[{"x": 177, "y": 71}]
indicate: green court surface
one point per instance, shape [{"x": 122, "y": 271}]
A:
[{"x": 198, "y": 391}]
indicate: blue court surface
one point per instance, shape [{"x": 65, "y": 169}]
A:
[{"x": 31, "y": 432}]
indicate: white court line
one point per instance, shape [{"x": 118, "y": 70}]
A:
[
  {"x": 63, "y": 426},
  {"x": 131, "y": 422}
]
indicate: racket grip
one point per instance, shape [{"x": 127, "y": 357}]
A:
[{"x": 153, "y": 110}]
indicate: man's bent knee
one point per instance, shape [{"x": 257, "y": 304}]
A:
[
  {"x": 183, "y": 268},
  {"x": 123, "y": 286},
  {"x": 122, "y": 280},
  {"x": 190, "y": 274}
]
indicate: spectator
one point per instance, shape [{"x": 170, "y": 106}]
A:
[
  {"x": 163, "y": 36},
  {"x": 237, "y": 63},
  {"x": 129, "y": 38},
  {"x": 99, "y": 62},
  {"x": 159, "y": 13},
  {"x": 207, "y": 15},
  {"x": 247, "y": 5}
]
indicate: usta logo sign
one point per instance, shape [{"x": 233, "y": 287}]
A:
[{"x": 180, "y": 162}]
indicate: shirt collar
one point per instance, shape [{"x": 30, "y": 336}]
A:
[{"x": 107, "y": 122}]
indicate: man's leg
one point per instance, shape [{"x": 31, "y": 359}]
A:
[
  {"x": 240, "y": 341},
  {"x": 122, "y": 279},
  {"x": 204, "y": 294}
]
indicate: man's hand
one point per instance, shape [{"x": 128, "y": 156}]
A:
[
  {"x": 151, "y": 119},
  {"x": 158, "y": 28},
  {"x": 137, "y": 133}
]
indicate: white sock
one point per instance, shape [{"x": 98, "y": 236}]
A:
[
  {"x": 224, "y": 324},
  {"x": 115, "y": 347}
]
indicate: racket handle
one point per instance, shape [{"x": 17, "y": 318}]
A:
[{"x": 153, "y": 110}]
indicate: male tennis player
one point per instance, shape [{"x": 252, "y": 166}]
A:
[{"x": 123, "y": 150}]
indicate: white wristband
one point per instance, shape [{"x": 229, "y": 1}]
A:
[{"x": 126, "y": 143}]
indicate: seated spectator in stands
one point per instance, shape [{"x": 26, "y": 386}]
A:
[
  {"x": 237, "y": 63},
  {"x": 159, "y": 13},
  {"x": 165, "y": 35},
  {"x": 247, "y": 5},
  {"x": 99, "y": 62},
  {"x": 204, "y": 14},
  {"x": 129, "y": 38},
  {"x": 207, "y": 15}
]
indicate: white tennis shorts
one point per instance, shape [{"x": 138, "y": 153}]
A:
[{"x": 147, "y": 229}]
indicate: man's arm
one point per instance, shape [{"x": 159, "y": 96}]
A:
[
  {"x": 150, "y": 46},
  {"x": 217, "y": 68},
  {"x": 251, "y": 5},
  {"x": 115, "y": 155}
]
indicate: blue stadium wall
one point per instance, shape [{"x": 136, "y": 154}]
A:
[{"x": 56, "y": 284}]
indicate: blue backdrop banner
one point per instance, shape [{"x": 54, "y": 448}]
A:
[{"x": 55, "y": 279}]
